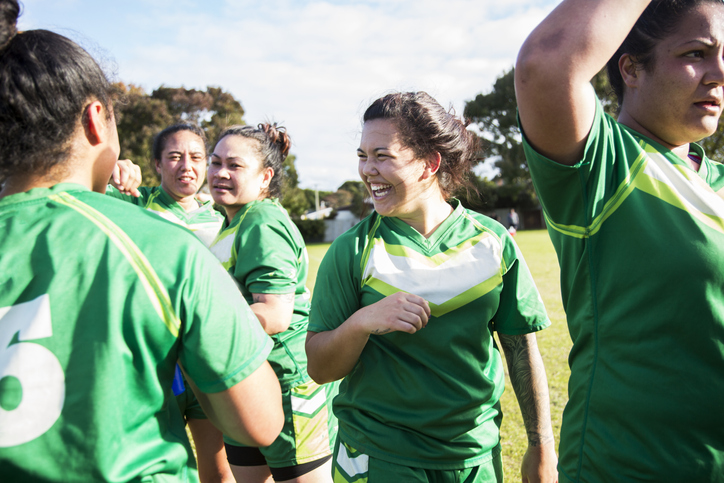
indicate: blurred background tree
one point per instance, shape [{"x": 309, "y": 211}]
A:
[{"x": 140, "y": 116}]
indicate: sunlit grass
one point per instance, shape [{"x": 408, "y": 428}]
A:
[{"x": 554, "y": 343}]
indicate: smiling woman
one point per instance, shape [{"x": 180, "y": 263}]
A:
[
  {"x": 263, "y": 250},
  {"x": 405, "y": 309}
]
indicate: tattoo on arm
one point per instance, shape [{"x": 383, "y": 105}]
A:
[
  {"x": 381, "y": 331},
  {"x": 527, "y": 374}
]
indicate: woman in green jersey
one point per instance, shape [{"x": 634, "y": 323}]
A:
[
  {"x": 263, "y": 250},
  {"x": 405, "y": 308},
  {"x": 94, "y": 312},
  {"x": 635, "y": 210},
  {"x": 179, "y": 157}
]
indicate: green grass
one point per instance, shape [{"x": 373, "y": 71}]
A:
[{"x": 554, "y": 343}]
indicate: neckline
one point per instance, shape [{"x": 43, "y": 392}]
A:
[{"x": 436, "y": 236}]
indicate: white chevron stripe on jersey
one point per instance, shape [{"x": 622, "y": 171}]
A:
[
  {"x": 309, "y": 406},
  {"x": 222, "y": 248},
  {"x": 436, "y": 281},
  {"x": 352, "y": 466},
  {"x": 685, "y": 190}
]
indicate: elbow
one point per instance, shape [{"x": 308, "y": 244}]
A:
[
  {"x": 318, "y": 377},
  {"x": 316, "y": 370},
  {"x": 528, "y": 67}
]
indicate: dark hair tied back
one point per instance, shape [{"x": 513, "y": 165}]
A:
[
  {"x": 274, "y": 146},
  {"x": 46, "y": 82},
  {"x": 426, "y": 127},
  {"x": 9, "y": 12},
  {"x": 660, "y": 19}
]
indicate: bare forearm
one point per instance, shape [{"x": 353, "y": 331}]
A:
[
  {"x": 332, "y": 355},
  {"x": 528, "y": 377}
]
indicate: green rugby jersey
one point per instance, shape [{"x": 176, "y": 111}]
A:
[
  {"x": 264, "y": 251},
  {"x": 94, "y": 315},
  {"x": 640, "y": 241},
  {"x": 204, "y": 221},
  {"x": 429, "y": 399}
]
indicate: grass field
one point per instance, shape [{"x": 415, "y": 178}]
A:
[{"x": 554, "y": 343}]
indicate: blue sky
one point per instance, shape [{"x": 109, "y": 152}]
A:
[{"x": 310, "y": 65}]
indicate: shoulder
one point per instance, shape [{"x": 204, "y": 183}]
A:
[
  {"x": 140, "y": 224},
  {"x": 356, "y": 237}
]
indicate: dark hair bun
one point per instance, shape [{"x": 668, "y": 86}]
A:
[
  {"x": 277, "y": 135},
  {"x": 9, "y": 12}
]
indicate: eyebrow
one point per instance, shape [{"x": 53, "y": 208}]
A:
[
  {"x": 374, "y": 150},
  {"x": 708, "y": 42},
  {"x": 232, "y": 158}
]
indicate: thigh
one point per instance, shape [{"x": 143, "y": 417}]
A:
[{"x": 252, "y": 474}]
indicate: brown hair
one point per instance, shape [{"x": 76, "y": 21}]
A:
[
  {"x": 274, "y": 146},
  {"x": 426, "y": 128}
]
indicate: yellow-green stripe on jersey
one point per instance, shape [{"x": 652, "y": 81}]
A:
[{"x": 640, "y": 241}]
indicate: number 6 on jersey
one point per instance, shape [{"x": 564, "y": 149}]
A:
[{"x": 42, "y": 382}]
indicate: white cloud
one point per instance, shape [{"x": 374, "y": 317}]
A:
[{"x": 312, "y": 65}]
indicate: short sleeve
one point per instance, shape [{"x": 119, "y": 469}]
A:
[
  {"x": 337, "y": 288},
  {"x": 222, "y": 340},
  {"x": 268, "y": 257},
  {"x": 575, "y": 195},
  {"x": 521, "y": 309}
]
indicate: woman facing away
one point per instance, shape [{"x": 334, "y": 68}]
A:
[
  {"x": 406, "y": 306},
  {"x": 180, "y": 159},
  {"x": 263, "y": 250},
  {"x": 94, "y": 312},
  {"x": 634, "y": 208}
]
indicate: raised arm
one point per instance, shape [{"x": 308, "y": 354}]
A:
[
  {"x": 555, "y": 66},
  {"x": 530, "y": 384},
  {"x": 251, "y": 411},
  {"x": 333, "y": 354}
]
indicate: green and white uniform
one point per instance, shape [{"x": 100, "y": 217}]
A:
[
  {"x": 204, "y": 221},
  {"x": 264, "y": 251},
  {"x": 640, "y": 240},
  {"x": 94, "y": 314},
  {"x": 429, "y": 399}
]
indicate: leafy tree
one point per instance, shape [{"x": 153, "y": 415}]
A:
[
  {"x": 141, "y": 116},
  {"x": 294, "y": 199},
  {"x": 359, "y": 194},
  {"x": 495, "y": 114}
]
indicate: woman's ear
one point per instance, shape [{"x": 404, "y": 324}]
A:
[
  {"x": 628, "y": 69},
  {"x": 268, "y": 175},
  {"x": 432, "y": 165},
  {"x": 96, "y": 124}
]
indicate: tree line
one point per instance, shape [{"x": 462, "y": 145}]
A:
[{"x": 141, "y": 115}]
